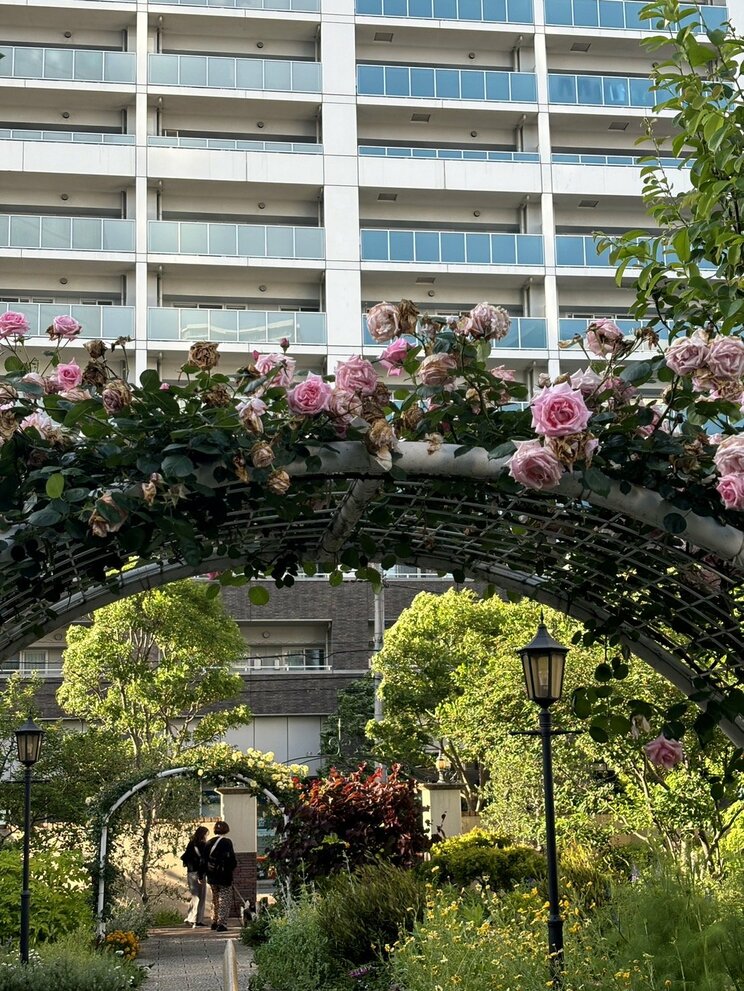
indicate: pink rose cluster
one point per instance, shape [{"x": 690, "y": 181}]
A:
[
  {"x": 665, "y": 753},
  {"x": 729, "y": 462},
  {"x": 486, "y": 322},
  {"x": 716, "y": 365},
  {"x": 282, "y": 367},
  {"x": 604, "y": 337}
]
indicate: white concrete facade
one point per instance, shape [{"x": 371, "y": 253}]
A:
[{"x": 277, "y": 170}]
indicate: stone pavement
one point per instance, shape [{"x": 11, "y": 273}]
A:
[{"x": 183, "y": 959}]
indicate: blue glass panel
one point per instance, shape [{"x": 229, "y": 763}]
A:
[
  {"x": 520, "y": 11},
  {"x": 420, "y": 8},
  {"x": 117, "y": 235},
  {"x": 279, "y": 242},
  {"x": 193, "y": 70},
  {"x": 569, "y": 249},
  {"x": 27, "y": 61},
  {"x": 523, "y": 87},
  {"x": 589, "y": 90},
  {"x": 615, "y": 91},
  {"x": 495, "y": 10},
  {"x": 371, "y": 79},
  {"x": 194, "y": 239},
  {"x": 86, "y": 233},
  {"x": 249, "y": 74},
  {"x": 395, "y": 8},
  {"x": 640, "y": 94},
  {"x": 503, "y": 249},
  {"x": 223, "y": 239},
  {"x": 58, "y": 64},
  {"x": 426, "y": 246},
  {"x": 422, "y": 82},
  {"x": 163, "y": 69},
  {"x": 470, "y": 10},
  {"x": 562, "y": 89},
  {"x": 397, "y": 81},
  {"x": 55, "y": 233},
  {"x": 4, "y": 226},
  {"x": 633, "y": 16},
  {"x": 117, "y": 67},
  {"x": 558, "y": 12},
  {"x": 252, "y": 241},
  {"x": 277, "y": 75},
  {"x": 586, "y": 13},
  {"x": 450, "y": 153},
  {"x": 370, "y": 7},
  {"x": 453, "y": 247},
  {"x": 163, "y": 236},
  {"x": 479, "y": 156},
  {"x": 448, "y": 84},
  {"x": 25, "y": 232},
  {"x": 529, "y": 249},
  {"x": 511, "y": 340},
  {"x": 374, "y": 246},
  {"x": 306, "y": 77},
  {"x": 445, "y": 9},
  {"x": 611, "y": 14},
  {"x": 532, "y": 332},
  {"x": 221, "y": 72},
  {"x": 497, "y": 86},
  {"x": 473, "y": 86},
  {"x": 423, "y": 153},
  {"x": 401, "y": 246},
  {"x": 309, "y": 242},
  {"x": 478, "y": 249}
]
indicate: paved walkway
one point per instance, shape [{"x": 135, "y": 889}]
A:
[{"x": 190, "y": 960}]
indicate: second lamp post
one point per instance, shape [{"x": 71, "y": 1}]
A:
[{"x": 28, "y": 741}]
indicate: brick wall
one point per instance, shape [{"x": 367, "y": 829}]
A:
[{"x": 245, "y": 880}]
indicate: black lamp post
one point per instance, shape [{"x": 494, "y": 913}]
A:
[
  {"x": 28, "y": 741},
  {"x": 544, "y": 661}
]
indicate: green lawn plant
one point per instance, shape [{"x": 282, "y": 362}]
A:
[
  {"x": 69, "y": 966},
  {"x": 60, "y": 895},
  {"x": 484, "y": 859}
]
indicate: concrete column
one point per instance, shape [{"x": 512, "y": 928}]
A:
[
  {"x": 239, "y": 810},
  {"x": 442, "y": 809}
]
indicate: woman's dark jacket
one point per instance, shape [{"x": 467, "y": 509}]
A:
[
  {"x": 193, "y": 857},
  {"x": 220, "y": 861}
]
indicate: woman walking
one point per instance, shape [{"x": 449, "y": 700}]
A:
[
  {"x": 193, "y": 860},
  {"x": 221, "y": 863}
]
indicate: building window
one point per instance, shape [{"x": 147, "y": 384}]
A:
[{"x": 282, "y": 658}]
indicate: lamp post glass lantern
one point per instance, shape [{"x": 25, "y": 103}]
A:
[
  {"x": 28, "y": 742},
  {"x": 543, "y": 663}
]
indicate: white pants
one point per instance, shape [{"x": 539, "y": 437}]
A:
[{"x": 198, "y": 892}]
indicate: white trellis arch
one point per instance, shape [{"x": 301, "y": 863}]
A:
[{"x": 130, "y": 793}]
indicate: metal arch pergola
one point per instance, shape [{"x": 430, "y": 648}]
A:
[{"x": 606, "y": 560}]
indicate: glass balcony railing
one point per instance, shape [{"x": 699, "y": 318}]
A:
[
  {"x": 619, "y": 14},
  {"x": 452, "y": 247},
  {"x": 235, "y": 144},
  {"x": 580, "y": 250},
  {"x": 75, "y": 64},
  {"x": 446, "y": 84},
  {"x": 297, "y": 6},
  {"x": 65, "y": 137},
  {"x": 637, "y": 161},
  {"x": 66, "y": 233},
  {"x": 226, "y": 72},
  {"x": 493, "y": 11},
  {"x": 235, "y": 326},
  {"x": 236, "y": 240},
  {"x": 524, "y": 332},
  {"x": 449, "y": 154},
  {"x": 108, "y": 322},
  {"x": 604, "y": 91}
]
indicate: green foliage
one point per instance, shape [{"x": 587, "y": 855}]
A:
[
  {"x": 362, "y": 913},
  {"x": 70, "y": 966},
  {"x": 60, "y": 901},
  {"x": 129, "y": 916},
  {"x": 344, "y": 821},
  {"x": 484, "y": 859},
  {"x": 342, "y": 735},
  {"x": 257, "y": 930}
]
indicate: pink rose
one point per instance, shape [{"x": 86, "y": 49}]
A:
[
  {"x": 13, "y": 324},
  {"x": 726, "y": 358},
  {"x": 383, "y": 322},
  {"x": 730, "y": 488},
  {"x": 586, "y": 382},
  {"x": 266, "y": 363},
  {"x": 729, "y": 457},
  {"x": 665, "y": 753},
  {"x": 394, "y": 355},
  {"x": 603, "y": 337},
  {"x": 504, "y": 374},
  {"x": 559, "y": 410},
  {"x": 356, "y": 375},
  {"x": 688, "y": 354},
  {"x": 488, "y": 323},
  {"x": 42, "y": 422},
  {"x": 310, "y": 397},
  {"x": 69, "y": 376},
  {"x": 345, "y": 406},
  {"x": 64, "y": 328},
  {"x": 250, "y": 412},
  {"x": 535, "y": 466},
  {"x": 164, "y": 387},
  {"x": 284, "y": 343},
  {"x": 438, "y": 369}
]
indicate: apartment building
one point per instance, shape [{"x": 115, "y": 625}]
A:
[{"x": 247, "y": 170}]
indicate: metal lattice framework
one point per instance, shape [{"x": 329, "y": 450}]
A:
[{"x": 675, "y": 601}]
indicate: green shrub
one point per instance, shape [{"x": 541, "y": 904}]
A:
[
  {"x": 129, "y": 916},
  {"x": 363, "y": 913},
  {"x": 256, "y": 931},
  {"x": 481, "y": 858},
  {"x": 166, "y": 918},
  {"x": 60, "y": 894},
  {"x": 68, "y": 967}
]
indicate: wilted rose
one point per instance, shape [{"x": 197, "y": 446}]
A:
[
  {"x": 99, "y": 523},
  {"x": 357, "y": 375},
  {"x": 726, "y": 358},
  {"x": 94, "y": 374},
  {"x": 559, "y": 410},
  {"x": 408, "y": 314},
  {"x": 34, "y": 378},
  {"x": 266, "y": 363},
  {"x": 262, "y": 455},
  {"x": 488, "y": 323},
  {"x": 149, "y": 491},
  {"x": 412, "y": 417},
  {"x": 217, "y": 396},
  {"x": 250, "y": 412},
  {"x": 434, "y": 443},
  {"x": 8, "y": 394},
  {"x": 69, "y": 375},
  {"x": 729, "y": 456},
  {"x": 687, "y": 354},
  {"x": 13, "y": 324},
  {"x": 344, "y": 406},
  {"x": 76, "y": 395},
  {"x": 8, "y": 424},
  {"x": 574, "y": 448},
  {"x": 665, "y": 753},
  {"x": 278, "y": 482},
  {"x": 204, "y": 355},
  {"x": 394, "y": 355},
  {"x": 380, "y": 441},
  {"x": 310, "y": 397},
  {"x": 731, "y": 490},
  {"x": 42, "y": 423},
  {"x": 603, "y": 337},
  {"x": 96, "y": 349},
  {"x": 116, "y": 396},
  {"x": 383, "y": 322},
  {"x": 535, "y": 466},
  {"x": 64, "y": 328},
  {"x": 587, "y": 382},
  {"x": 438, "y": 370}
]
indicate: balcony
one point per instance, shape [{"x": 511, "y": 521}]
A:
[
  {"x": 66, "y": 137},
  {"x": 236, "y": 144},
  {"x": 297, "y": 659},
  {"x": 446, "y": 84},
  {"x": 604, "y": 91},
  {"x": 236, "y": 240},
  {"x": 107, "y": 322},
  {"x": 451, "y": 247},
  {"x": 235, "y": 326},
  {"x": 634, "y": 161},
  {"x": 296, "y": 6},
  {"x": 616, "y": 15},
  {"x": 448, "y": 154},
  {"x": 66, "y": 233},
  {"x": 488, "y": 11},
  {"x": 580, "y": 251},
  {"x": 529, "y": 333},
  {"x": 226, "y": 72},
  {"x": 69, "y": 64}
]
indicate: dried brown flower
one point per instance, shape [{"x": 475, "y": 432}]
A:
[
  {"x": 116, "y": 396},
  {"x": 217, "y": 396},
  {"x": 94, "y": 374},
  {"x": 204, "y": 355},
  {"x": 96, "y": 349},
  {"x": 278, "y": 482},
  {"x": 408, "y": 314},
  {"x": 262, "y": 455},
  {"x": 99, "y": 524}
]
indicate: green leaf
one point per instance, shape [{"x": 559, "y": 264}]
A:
[
  {"x": 14, "y": 364},
  {"x": 55, "y": 486},
  {"x": 598, "y": 734},
  {"x": 581, "y": 705},
  {"x": 620, "y": 725},
  {"x": 150, "y": 380},
  {"x": 177, "y": 465},
  {"x": 335, "y": 578},
  {"x": 258, "y": 595},
  {"x": 44, "y": 517},
  {"x": 502, "y": 450},
  {"x": 603, "y": 672},
  {"x": 596, "y": 481},
  {"x": 674, "y": 523}
]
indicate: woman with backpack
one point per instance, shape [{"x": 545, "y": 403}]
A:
[
  {"x": 193, "y": 860},
  {"x": 221, "y": 863}
]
